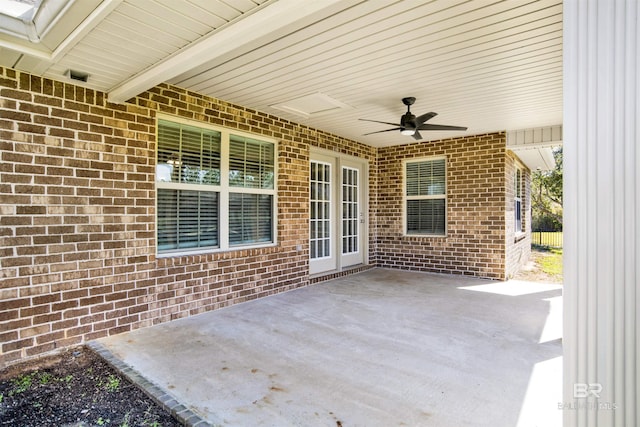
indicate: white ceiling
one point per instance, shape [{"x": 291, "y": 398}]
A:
[{"x": 486, "y": 64}]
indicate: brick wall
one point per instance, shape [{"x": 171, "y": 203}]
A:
[
  {"x": 518, "y": 245},
  {"x": 77, "y": 215},
  {"x": 475, "y": 241}
]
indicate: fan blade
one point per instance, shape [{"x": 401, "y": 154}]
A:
[
  {"x": 425, "y": 117},
  {"x": 417, "y": 136},
  {"x": 384, "y": 123},
  {"x": 441, "y": 127},
  {"x": 380, "y": 131}
]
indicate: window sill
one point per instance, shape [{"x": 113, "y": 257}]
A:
[
  {"x": 520, "y": 235},
  {"x": 214, "y": 250},
  {"x": 426, "y": 235}
]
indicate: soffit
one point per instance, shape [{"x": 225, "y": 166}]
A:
[
  {"x": 540, "y": 159},
  {"x": 39, "y": 36},
  {"x": 486, "y": 64},
  {"x": 535, "y": 146},
  {"x": 140, "y": 33}
]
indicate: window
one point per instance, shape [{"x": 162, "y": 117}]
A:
[
  {"x": 518, "y": 199},
  {"x": 251, "y": 169},
  {"x": 215, "y": 189},
  {"x": 426, "y": 197}
]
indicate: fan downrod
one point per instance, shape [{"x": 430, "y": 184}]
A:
[{"x": 408, "y": 101}]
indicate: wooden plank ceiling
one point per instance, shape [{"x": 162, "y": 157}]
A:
[{"x": 486, "y": 64}]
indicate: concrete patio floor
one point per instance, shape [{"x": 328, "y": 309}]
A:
[{"x": 380, "y": 348}]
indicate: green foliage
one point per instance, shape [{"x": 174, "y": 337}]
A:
[
  {"x": 125, "y": 422},
  {"x": 113, "y": 383},
  {"x": 45, "y": 378},
  {"x": 101, "y": 421},
  {"x": 22, "y": 383},
  {"x": 25, "y": 382},
  {"x": 547, "y": 197},
  {"x": 148, "y": 419}
]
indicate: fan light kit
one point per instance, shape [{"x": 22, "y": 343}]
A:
[{"x": 411, "y": 125}]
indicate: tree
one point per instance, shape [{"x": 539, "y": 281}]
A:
[{"x": 546, "y": 197}]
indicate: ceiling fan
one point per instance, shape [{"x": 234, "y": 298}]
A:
[{"x": 412, "y": 125}]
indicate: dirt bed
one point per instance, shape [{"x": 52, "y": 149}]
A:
[{"x": 76, "y": 388}]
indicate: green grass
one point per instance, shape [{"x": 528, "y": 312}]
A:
[{"x": 551, "y": 263}]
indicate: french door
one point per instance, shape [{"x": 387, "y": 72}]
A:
[{"x": 337, "y": 212}]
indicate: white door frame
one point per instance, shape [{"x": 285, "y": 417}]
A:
[
  {"x": 337, "y": 261},
  {"x": 356, "y": 257}
]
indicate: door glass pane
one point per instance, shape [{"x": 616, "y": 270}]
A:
[
  {"x": 320, "y": 218},
  {"x": 350, "y": 209}
]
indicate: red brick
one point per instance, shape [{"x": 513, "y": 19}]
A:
[
  {"x": 40, "y": 349},
  {"x": 36, "y": 330},
  {"x": 17, "y": 345},
  {"x": 64, "y": 324},
  {"x": 6, "y": 315},
  {"x": 98, "y": 170},
  {"x": 46, "y": 299},
  {"x": 54, "y": 336},
  {"x": 12, "y": 304},
  {"x": 15, "y": 94}
]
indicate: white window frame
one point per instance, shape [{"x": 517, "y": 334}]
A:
[
  {"x": 406, "y": 198},
  {"x": 517, "y": 200},
  {"x": 224, "y": 190}
]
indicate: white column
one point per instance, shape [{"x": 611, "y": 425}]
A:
[{"x": 602, "y": 204}]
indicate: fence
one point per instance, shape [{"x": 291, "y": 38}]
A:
[{"x": 547, "y": 238}]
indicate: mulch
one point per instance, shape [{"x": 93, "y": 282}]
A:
[{"x": 75, "y": 388}]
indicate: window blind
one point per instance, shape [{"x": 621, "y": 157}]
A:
[
  {"x": 425, "y": 197},
  {"x": 188, "y": 154},
  {"x": 251, "y": 163},
  {"x": 187, "y": 219},
  {"x": 518, "y": 200},
  {"x": 190, "y": 189},
  {"x": 426, "y": 178},
  {"x": 250, "y": 218}
]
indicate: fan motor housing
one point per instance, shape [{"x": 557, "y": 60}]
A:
[{"x": 408, "y": 121}]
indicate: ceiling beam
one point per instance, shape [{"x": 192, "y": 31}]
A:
[{"x": 275, "y": 20}]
